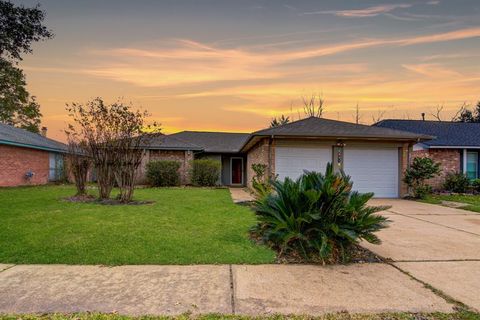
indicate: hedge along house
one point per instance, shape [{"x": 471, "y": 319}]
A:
[
  {"x": 456, "y": 145},
  {"x": 375, "y": 158},
  {"x": 28, "y": 158}
]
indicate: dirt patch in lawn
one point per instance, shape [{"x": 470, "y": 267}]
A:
[{"x": 109, "y": 202}]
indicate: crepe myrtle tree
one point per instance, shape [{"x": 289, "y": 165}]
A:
[
  {"x": 78, "y": 162},
  {"x": 114, "y": 135}
]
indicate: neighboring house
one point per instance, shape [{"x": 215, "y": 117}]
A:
[
  {"x": 28, "y": 158},
  {"x": 455, "y": 145},
  {"x": 374, "y": 157}
]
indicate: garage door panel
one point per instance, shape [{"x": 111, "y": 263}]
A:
[
  {"x": 373, "y": 170},
  {"x": 293, "y": 161}
]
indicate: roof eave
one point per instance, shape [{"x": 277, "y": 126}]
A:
[
  {"x": 254, "y": 138},
  {"x": 171, "y": 148},
  {"x": 452, "y": 147},
  {"x": 31, "y": 146}
]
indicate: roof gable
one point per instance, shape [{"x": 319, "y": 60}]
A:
[
  {"x": 22, "y": 138},
  {"x": 446, "y": 133}
]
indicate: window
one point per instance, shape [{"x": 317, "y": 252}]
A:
[
  {"x": 56, "y": 167},
  {"x": 472, "y": 165}
]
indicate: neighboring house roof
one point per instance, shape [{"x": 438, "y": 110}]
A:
[
  {"x": 214, "y": 142},
  {"x": 10, "y": 135},
  {"x": 447, "y": 133},
  {"x": 169, "y": 142}
]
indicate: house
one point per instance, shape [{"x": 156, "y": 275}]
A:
[
  {"x": 28, "y": 158},
  {"x": 186, "y": 145},
  {"x": 374, "y": 157},
  {"x": 456, "y": 145}
]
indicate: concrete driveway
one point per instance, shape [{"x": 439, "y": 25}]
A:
[{"x": 437, "y": 245}]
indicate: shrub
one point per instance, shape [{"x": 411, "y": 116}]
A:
[
  {"x": 456, "y": 182},
  {"x": 476, "y": 185},
  {"x": 316, "y": 216},
  {"x": 205, "y": 172},
  {"x": 421, "y": 170},
  {"x": 260, "y": 182},
  {"x": 163, "y": 173}
]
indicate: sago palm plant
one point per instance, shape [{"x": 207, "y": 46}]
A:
[{"x": 318, "y": 214}]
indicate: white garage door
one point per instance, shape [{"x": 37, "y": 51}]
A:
[
  {"x": 373, "y": 170},
  {"x": 292, "y": 161}
]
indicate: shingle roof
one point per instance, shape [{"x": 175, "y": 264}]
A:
[
  {"x": 215, "y": 142},
  {"x": 23, "y": 138},
  {"x": 320, "y": 127},
  {"x": 169, "y": 142},
  {"x": 448, "y": 134}
]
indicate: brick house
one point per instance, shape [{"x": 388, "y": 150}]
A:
[
  {"x": 374, "y": 157},
  {"x": 28, "y": 158},
  {"x": 455, "y": 145}
]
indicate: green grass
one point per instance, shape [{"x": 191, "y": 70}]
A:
[
  {"x": 472, "y": 202},
  {"x": 183, "y": 226},
  {"x": 461, "y": 315}
]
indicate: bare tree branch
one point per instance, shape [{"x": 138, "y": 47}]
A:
[
  {"x": 380, "y": 115},
  {"x": 357, "y": 114},
  {"x": 438, "y": 113},
  {"x": 313, "y": 106},
  {"x": 463, "y": 108}
]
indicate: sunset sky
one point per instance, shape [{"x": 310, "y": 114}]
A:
[{"x": 233, "y": 65}]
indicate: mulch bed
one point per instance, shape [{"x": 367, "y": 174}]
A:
[{"x": 356, "y": 254}]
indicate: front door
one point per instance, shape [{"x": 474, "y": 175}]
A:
[{"x": 237, "y": 170}]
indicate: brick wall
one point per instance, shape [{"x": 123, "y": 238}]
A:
[
  {"x": 260, "y": 154},
  {"x": 16, "y": 161},
  {"x": 449, "y": 160},
  {"x": 184, "y": 157},
  {"x": 405, "y": 155}
]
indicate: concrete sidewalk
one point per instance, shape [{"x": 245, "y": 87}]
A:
[
  {"x": 242, "y": 289},
  {"x": 240, "y": 195}
]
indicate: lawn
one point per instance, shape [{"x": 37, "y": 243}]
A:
[
  {"x": 183, "y": 226},
  {"x": 472, "y": 202}
]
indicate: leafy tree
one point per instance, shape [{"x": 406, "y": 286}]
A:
[
  {"x": 279, "y": 121},
  {"x": 19, "y": 28},
  {"x": 464, "y": 114},
  {"x": 421, "y": 170},
  {"x": 17, "y": 107}
]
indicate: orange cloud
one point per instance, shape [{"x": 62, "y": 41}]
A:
[
  {"x": 192, "y": 62},
  {"x": 362, "y": 13}
]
